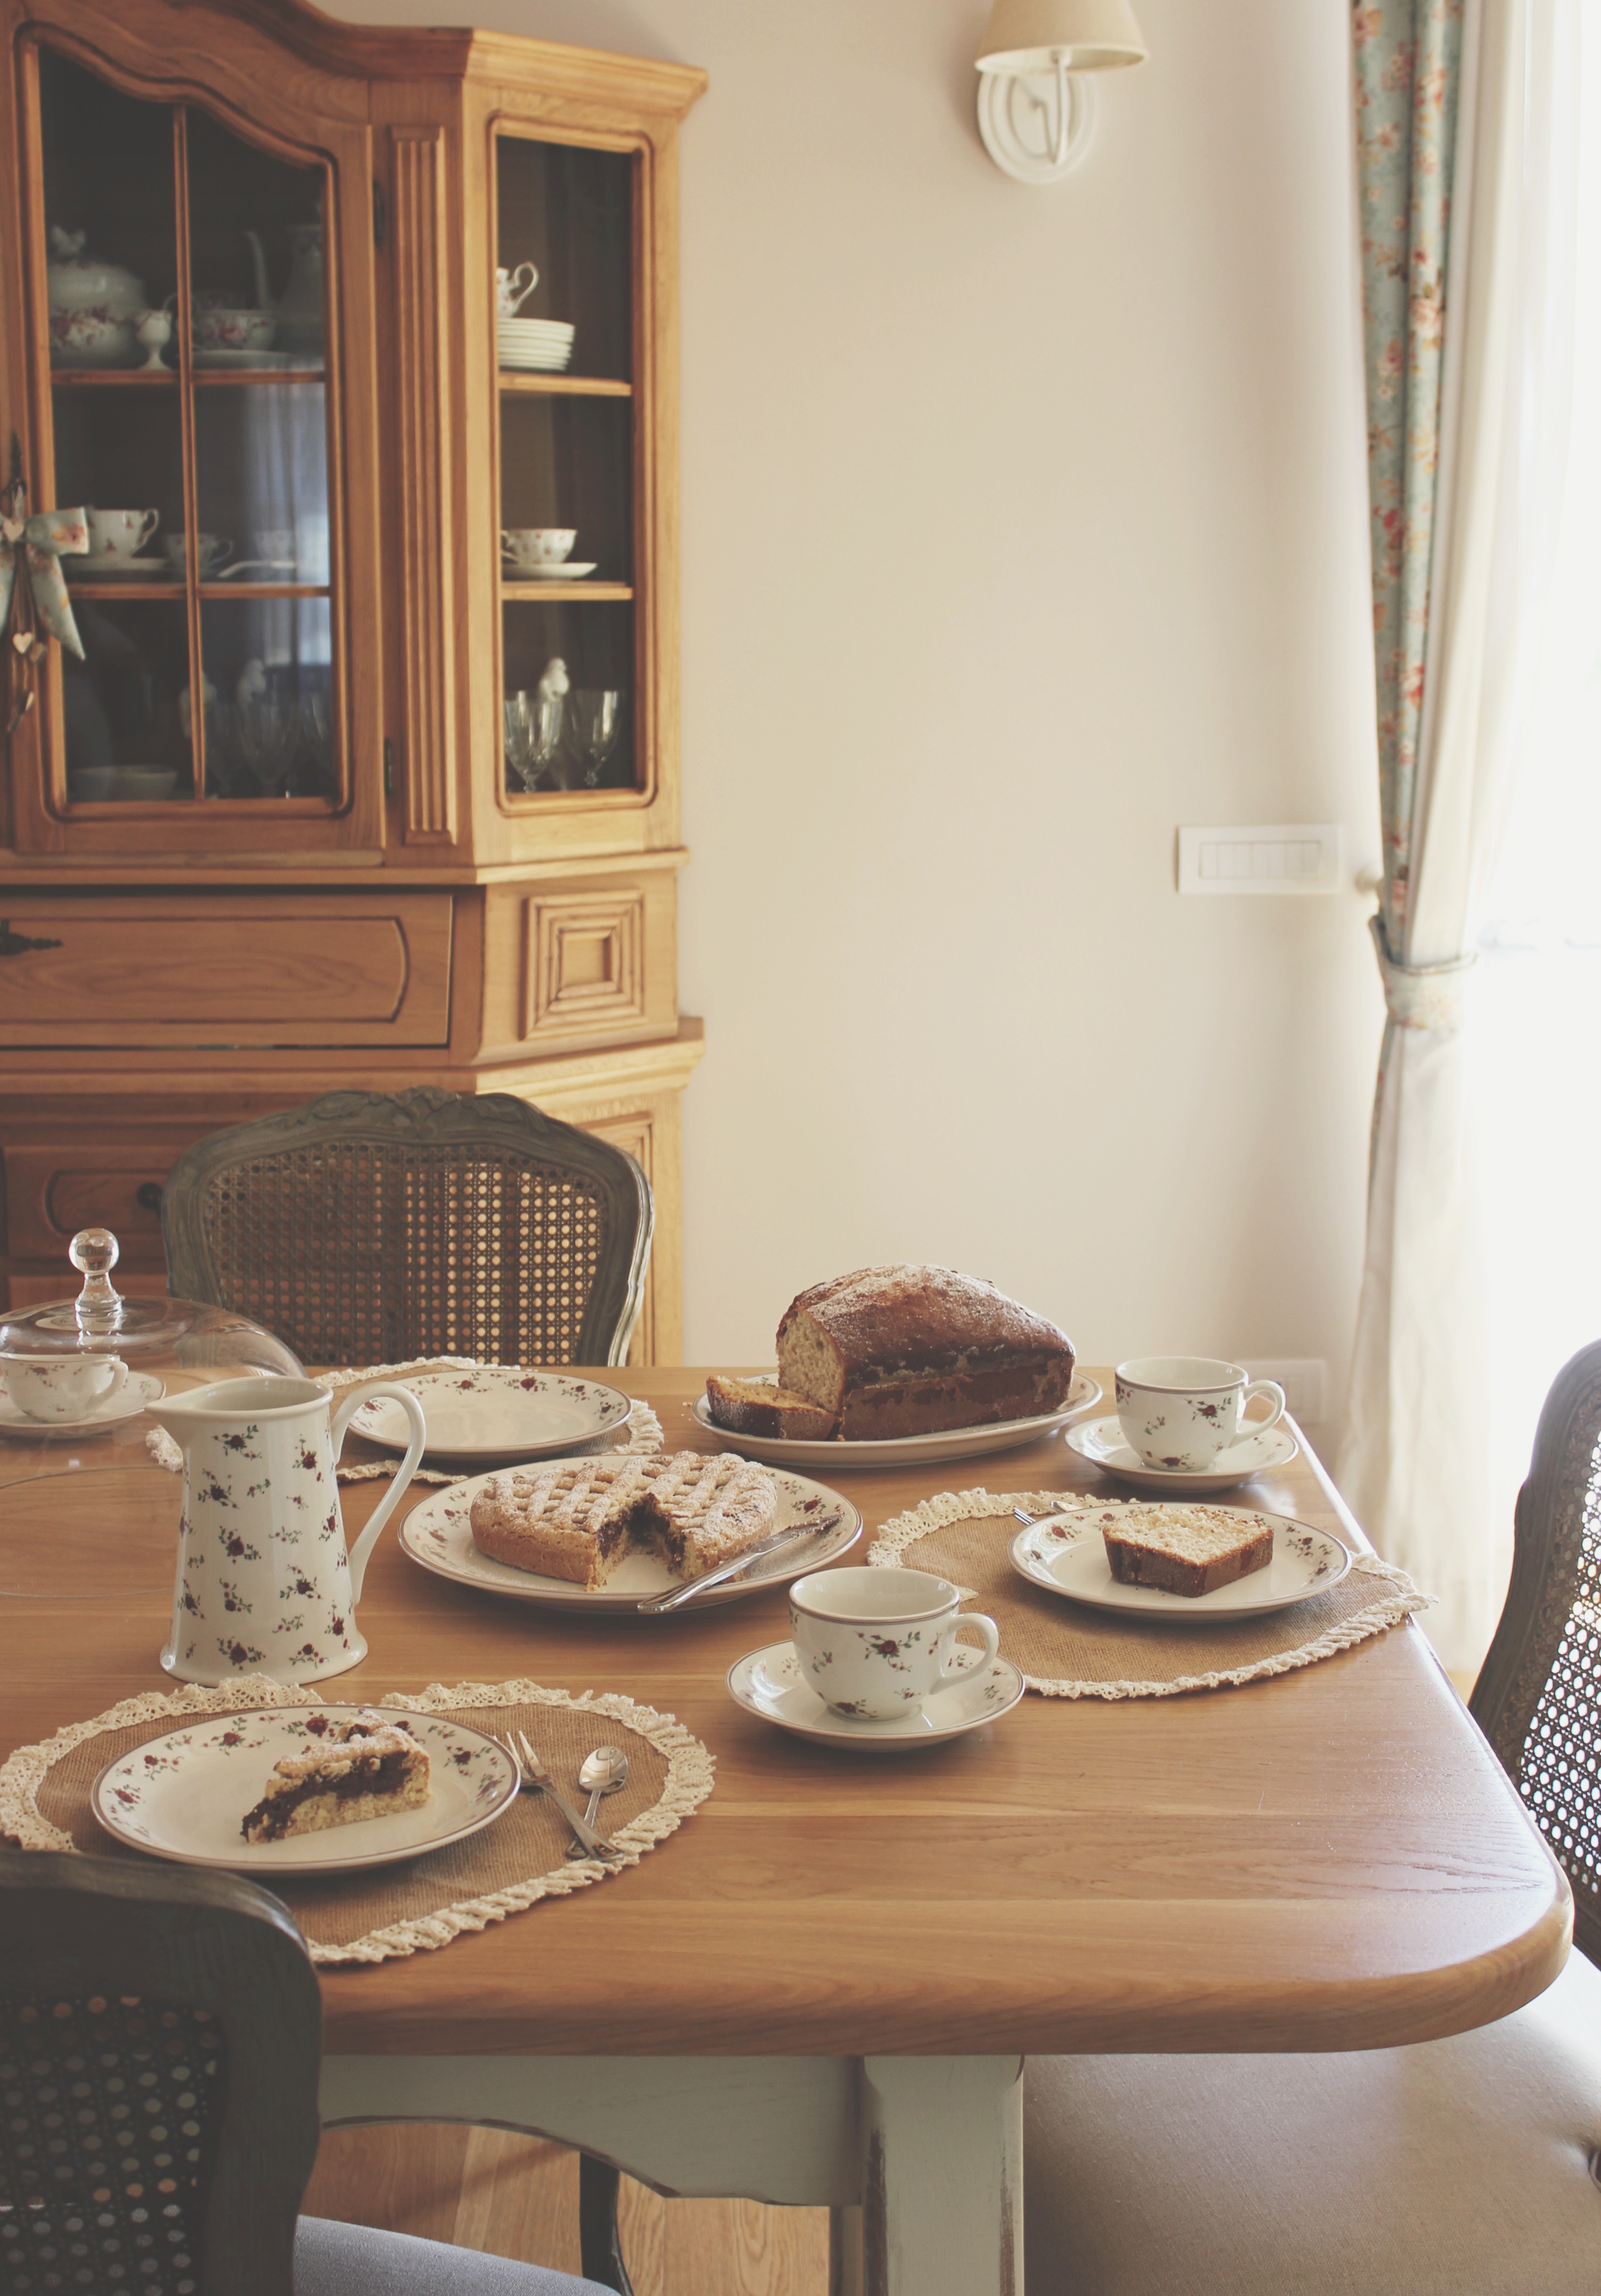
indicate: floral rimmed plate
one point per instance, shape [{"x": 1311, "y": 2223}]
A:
[
  {"x": 1100, "y": 1441},
  {"x": 904, "y": 1450},
  {"x": 437, "y": 1533},
  {"x": 1067, "y": 1554},
  {"x": 770, "y": 1683},
  {"x": 496, "y": 1415},
  {"x": 185, "y": 1796}
]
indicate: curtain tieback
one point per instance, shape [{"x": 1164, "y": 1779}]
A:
[{"x": 1420, "y": 995}]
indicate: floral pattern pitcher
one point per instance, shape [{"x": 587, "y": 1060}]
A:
[{"x": 265, "y": 1583}]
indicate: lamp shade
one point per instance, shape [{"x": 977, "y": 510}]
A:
[{"x": 1033, "y": 35}]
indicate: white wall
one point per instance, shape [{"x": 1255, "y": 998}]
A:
[{"x": 1020, "y": 527}]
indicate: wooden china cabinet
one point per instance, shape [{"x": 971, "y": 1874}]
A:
[{"x": 337, "y": 793}]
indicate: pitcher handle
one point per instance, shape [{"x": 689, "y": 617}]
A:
[{"x": 407, "y": 1468}]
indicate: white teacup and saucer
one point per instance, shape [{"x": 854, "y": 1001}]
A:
[
  {"x": 45, "y": 1396},
  {"x": 874, "y": 1663}
]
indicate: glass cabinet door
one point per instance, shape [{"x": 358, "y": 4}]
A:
[
  {"x": 188, "y": 321},
  {"x": 564, "y": 295}
]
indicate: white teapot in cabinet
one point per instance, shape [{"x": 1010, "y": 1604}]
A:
[{"x": 265, "y": 1583}]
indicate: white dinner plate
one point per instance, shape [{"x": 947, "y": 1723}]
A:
[
  {"x": 138, "y": 1388},
  {"x": 904, "y": 1450},
  {"x": 496, "y": 1415},
  {"x": 437, "y": 1533},
  {"x": 1066, "y": 1553},
  {"x": 248, "y": 360},
  {"x": 97, "y": 567},
  {"x": 1100, "y": 1441},
  {"x": 185, "y": 1796},
  {"x": 568, "y": 573},
  {"x": 770, "y": 1683}
]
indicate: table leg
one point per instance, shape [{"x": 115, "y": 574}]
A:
[
  {"x": 941, "y": 2211},
  {"x": 922, "y": 2157}
]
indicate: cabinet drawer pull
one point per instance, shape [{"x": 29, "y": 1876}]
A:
[
  {"x": 147, "y": 1195},
  {"x": 15, "y": 944}
]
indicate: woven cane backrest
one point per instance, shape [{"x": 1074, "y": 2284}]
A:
[
  {"x": 366, "y": 1229},
  {"x": 1537, "y": 1698},
  {"x": 158, "y": 2052},
  {"x": 110, "y": 2106}
]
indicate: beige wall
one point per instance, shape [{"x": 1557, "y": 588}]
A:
[{"x": 1020, "y": 527}]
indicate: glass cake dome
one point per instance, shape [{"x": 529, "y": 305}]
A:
[{"x": 59, "y": 1364}]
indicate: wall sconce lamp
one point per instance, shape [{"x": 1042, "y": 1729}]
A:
[{"x": 1035, "y": 109}]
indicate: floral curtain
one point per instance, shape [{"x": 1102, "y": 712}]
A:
[
  {"x": 1462, "y": 178},
  {"x": 1409, "y": 70}
]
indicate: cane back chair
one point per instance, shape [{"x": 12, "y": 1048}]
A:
[
  {"x": 1537, "y": 1697},
  {"x": 160, "y": 2033},
  {"x": 1465, "y": 2167},
  {"x": 367, "y": 1228}
]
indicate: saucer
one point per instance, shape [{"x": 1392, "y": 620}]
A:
[
  {"x": 1100, "y": 1441},
  {"x": 536, "y": 362},
  {"x": 185, "y": 1796},
  {"x": 565, "y": 573},
  {"x": 138, "y": 1388},
  {"x": 97, "y": 565},
  {"x": 1066, "y": 1553},
  {"x": 769, "y": 1683}
]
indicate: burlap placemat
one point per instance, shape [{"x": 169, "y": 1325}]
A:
[
  {"x": 361, "y": 1461},
  {"x": 421, "y": 1903},
  {"x": 1067, "y": 1651}
]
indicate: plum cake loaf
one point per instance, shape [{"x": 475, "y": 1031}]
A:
[
  {"x": 1186, "y": 1550},
  {"x": 368, "y": 1766},
  {"x": 755, "y": 1407},
  {"x": 580, "y": 1518},
  {"x": 896, "y": 1351}
]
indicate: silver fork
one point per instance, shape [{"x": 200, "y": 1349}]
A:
[{"x": 534, "y": 1778}]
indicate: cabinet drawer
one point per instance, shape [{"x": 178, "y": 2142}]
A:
[
  {"x": 262, "y": 970},
  {"x": 54, "y": 1188}
]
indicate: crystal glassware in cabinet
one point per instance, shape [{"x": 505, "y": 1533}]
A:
[{"x": 567, "y": 434}]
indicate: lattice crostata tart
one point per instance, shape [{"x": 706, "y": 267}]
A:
[
  {"x": 367, "y": 1766},
  {"x": 581, "y": 1519}
]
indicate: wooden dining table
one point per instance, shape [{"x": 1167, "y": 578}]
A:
[{"x": 821, "y": 1990}]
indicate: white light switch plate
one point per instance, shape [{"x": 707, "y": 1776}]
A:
[
  {"x": 1283, "y": 858},
  {"x": 1304, "y": 1379}
]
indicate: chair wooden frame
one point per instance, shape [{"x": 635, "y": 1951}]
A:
[
  {"x": 426, "y": 1122},
  {"x": 1557, "y": 1563},
  {"x": 73, "y": 1928}
]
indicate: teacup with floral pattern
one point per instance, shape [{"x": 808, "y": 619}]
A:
[
  {"x": 874, "y": 1643},
  {"x": 1178, "y": 1412}
]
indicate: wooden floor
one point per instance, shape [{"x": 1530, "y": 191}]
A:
[{"x": 519, "y": 2196}]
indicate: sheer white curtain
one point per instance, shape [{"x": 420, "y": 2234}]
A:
[
  {"x": 1417, "y": 1462},
  {"x": 1536, "y": 1039}
]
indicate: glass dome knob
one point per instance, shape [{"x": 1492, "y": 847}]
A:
[{"x": 95, "y": 1252}]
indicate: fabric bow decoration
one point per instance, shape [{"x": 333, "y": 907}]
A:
[{"x": 40, "y": 543}]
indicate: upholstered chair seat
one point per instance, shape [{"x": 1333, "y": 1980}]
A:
[{"x": 1466, "y": 2167}]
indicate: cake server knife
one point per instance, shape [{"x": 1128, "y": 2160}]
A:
[{"x": 794, "y": 1534}]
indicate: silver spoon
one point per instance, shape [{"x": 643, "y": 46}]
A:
[{"x": 603, "y": 1772}]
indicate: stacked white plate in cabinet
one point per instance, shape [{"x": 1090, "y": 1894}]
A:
[{"x": 545, "y": 346}]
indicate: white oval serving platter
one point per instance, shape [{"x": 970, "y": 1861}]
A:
[{"x": 906, "y": 1450}]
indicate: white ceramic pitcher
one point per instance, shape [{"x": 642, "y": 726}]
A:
[{"x": 265, "y": 1583}]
